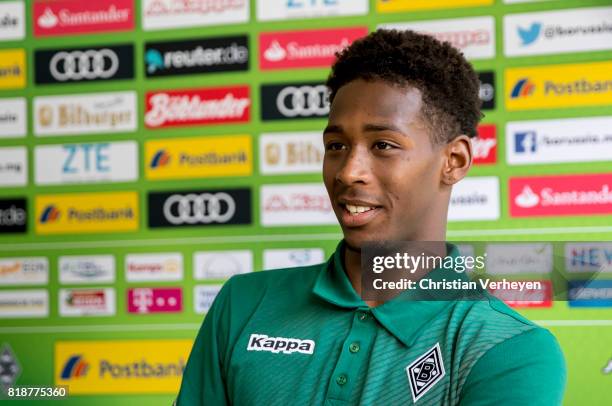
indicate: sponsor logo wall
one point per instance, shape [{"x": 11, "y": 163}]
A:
[{"x": 146, "y": 159}]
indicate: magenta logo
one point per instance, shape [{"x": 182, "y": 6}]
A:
[{"x": 155, "y": 300}]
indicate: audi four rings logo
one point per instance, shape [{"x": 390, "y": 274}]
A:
[
  {"x": 294, "y": 101},
  {"x": 204, "y": 208},
  {"x": 77, "y": 65},
  {"x": 74, "y": 65},
  {"x": 199, "y": 208}
]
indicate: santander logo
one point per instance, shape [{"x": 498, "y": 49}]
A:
[
  {"x": 197, "y": 107},
  {"x": 303, "y": 49},
  {"x": 63, "y": 17},
  {"x": 564, "y": 195}
]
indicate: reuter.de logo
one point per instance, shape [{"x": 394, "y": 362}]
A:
[
  {"x": 65, "y": 17},
  {"x": 198, "y": 56},
  {"x": 200, "y": 208},
  {"x": 155, "y": 300},
  {"x": 84, "y": 64},
  {"x": 578, "y": 195},
  {"x": 197, "y": 107},
  {"x": 294, "y": 101},
  {"x": 308, "y": 48}
]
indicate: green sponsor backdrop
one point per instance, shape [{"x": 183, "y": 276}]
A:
[{"x": 585, "y": 334}]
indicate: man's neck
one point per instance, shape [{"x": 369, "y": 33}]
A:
[{"x": 352, "y": 263}]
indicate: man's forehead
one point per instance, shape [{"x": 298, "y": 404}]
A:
[{"x": 377, "y": 99}]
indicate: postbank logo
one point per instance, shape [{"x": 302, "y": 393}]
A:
[
  {"x": 199, "y": 157},
  {"x": 391, "y": 6},
  {"x": 121, "y": 366},
  {"x": 73, "y": 213},
  {"x": 12, "y": 69},
  {"x": 554, "y": 86}
]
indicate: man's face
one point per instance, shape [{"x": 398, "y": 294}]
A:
[{"x": 381, "y": 170}]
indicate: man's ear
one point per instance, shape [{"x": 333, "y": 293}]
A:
[{"x": 458, "y": 160}]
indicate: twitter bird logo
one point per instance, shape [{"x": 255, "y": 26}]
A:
[{"x": 531, "y": 34}]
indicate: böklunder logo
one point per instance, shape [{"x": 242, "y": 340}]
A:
[
  {"x": 66, "y": 17},
  {"x": 166, "y": 14},
  {"x": 527, "y": 297},
  {"x": 567, "y": 195},
  {"x": 197, "y": 107},
  {"x": 485, "y": 145},
  {"x": 90, "y": 113},
  {"x": 304, "y": 49}
]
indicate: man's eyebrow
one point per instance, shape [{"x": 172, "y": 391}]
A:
[
  {"x": 332, "y": 128},
  {"x": 381, "y": 127}
]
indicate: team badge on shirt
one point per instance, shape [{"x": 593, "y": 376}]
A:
[{"x": 425, "y": 372}]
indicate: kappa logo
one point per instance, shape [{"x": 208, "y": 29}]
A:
[
  {"x": 425, "y": 372},
  {"x": 261, "y": 342}
]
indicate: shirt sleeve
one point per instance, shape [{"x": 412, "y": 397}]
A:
[
  {"x": 203, "y": 381},
  {"x": 527, "y": 369}
]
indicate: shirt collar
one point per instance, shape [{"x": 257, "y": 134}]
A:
[{"x": 402, "y": 316}]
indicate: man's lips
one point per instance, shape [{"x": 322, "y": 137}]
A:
[{"x": 357, "y": 213}]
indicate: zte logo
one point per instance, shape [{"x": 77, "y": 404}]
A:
[
  {"x": 261, "y": 342},
  {"x": 86, "y": 157}
]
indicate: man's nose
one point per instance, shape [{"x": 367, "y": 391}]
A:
[{"x": 355, "y": 167}]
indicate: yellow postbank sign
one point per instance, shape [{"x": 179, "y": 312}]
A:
[
  {"x": 12, "y": 69},
  {"x": 558, "y": 86},
  {"x": 199, "y": 157},
  {"x": 121, "y": 366},
  {"x": 392, "y": 6},
  {"x": 74, "y": 213}
]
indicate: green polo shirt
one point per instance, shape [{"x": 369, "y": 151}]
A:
[{"x": 303, "y": 336}]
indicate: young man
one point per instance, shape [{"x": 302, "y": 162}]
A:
[{"x": 403, "y": 109}]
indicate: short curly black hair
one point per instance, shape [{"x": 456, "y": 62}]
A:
[{"x": 447, "y": 81}]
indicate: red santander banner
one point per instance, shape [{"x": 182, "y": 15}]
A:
[
  {"x": 304, "y": 49},
  {"x": 484, "y": 146},
  {"x": 564, "y": 195},
  {"x": 65, "y": 17},
  {"x": 527, "y": 297},
  {"x": 172, "y": 108}
]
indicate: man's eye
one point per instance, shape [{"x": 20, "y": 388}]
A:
[
  {"x": 383, "y": 145},
  {"x": 335, "y": 146}
]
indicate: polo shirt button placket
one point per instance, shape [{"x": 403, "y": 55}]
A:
[
  {"x": 341, "y": 379},
  {"x": 354, "y": 348}
]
